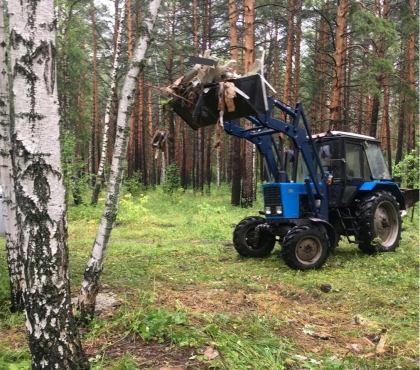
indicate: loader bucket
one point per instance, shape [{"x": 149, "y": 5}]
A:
[{"x": 250, "y": 100}]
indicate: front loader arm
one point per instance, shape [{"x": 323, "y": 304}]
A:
[{"x": 265, "y": 126}]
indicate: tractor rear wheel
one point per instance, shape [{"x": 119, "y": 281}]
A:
[
  {"x": 244, "y": 238},
  {"x": 379, "y": 223},
  {"x": 305, "y": 247}
]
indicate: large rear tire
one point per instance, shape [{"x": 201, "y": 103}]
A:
[
  {"x": 379, "y": 223},
  {"x": 305, "y": 247},
  {"x": 244, "y": 238}
]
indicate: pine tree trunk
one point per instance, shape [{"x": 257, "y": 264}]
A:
[
  {"x": 200, "y": 161},
  {"x": 324, "y": 73},
  {"x": 287, "y": 92},
  {"x": 236, "y": 171},
  {"x": 235, "y": 143},
  {"x": 90, "y": 284},
  {"x": 152, "y": 166},
  {"x": 143, "y": 139},
  {"x": 336, "y": 105},
  {"x": 297, "y": 51},
  {"x": 400, "y": 130},
  {"x": 41, "y": 224},
  {"x": 14, "y": 262},
  {"x": 412, "y": 106},
  {"x": 247, "y": 196}
]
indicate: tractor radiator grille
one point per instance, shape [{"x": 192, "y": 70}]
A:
[{"x": 272, "y": 196}]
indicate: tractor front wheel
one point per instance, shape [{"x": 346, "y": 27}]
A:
[
  {"x": 245, "y": 238},
  {"x": 305, "y": 247},
  {"x": 379, "y": 223}
]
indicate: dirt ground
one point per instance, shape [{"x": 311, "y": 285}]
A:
[{"x": 297, "y": 311}]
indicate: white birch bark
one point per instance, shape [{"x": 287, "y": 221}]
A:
[
  {"x": 6, "y": 180},
  {"x": 105, "y": 138},
  {"x": 39, "y": 189},
  {"x": 94, "y": 266}
]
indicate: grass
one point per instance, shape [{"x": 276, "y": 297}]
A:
[{"x": 186, "y": 294}]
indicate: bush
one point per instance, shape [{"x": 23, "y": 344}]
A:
[
  {"x": 133, "y": 185},
  {"x": 172, "y": 184},
  {"x": 408, "y": 169}
]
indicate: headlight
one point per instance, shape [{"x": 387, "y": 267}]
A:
[
  {"x": 279, "y": 210},
  {"x": 268, "y": 210}
]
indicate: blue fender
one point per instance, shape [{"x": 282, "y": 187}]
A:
[
  {"x": 389, "y": 186},
  {"x": 332, "y": 234}
]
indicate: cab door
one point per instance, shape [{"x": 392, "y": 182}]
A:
[{"x": 356, "y": 170}]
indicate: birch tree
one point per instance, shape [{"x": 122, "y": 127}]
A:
[
  {"x": 14, "y": 261},
  {"x": 94, "y": 266},
  {"x": 41, "y": 223},
  {"x": 100, "y": 176}
]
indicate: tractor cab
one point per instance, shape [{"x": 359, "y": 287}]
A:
[{"x": 352, "y": 160}]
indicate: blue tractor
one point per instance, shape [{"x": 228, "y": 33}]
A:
[{"x": 320, "y": 187}]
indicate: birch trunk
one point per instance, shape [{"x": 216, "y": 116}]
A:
[
  {"x": 94, "y": 144},
  {"x": 14, "y": 261},
  {"x": 100, "y": 177},
  {"x": 39, "y": 189},
  {"x": 93, "y": 270}
]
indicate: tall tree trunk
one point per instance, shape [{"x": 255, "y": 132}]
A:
[
  {"x": 385, "y": 126},
  {"x": 287, "y": 98},
  {"x": 41, "y": 224},
  {"x": 411, "y": 82},
  {"x": 234, "y": 155},
  {"x": 247, "y": 196},
  {"x": 336, "y": 105},
  {"x": 152, "y": 165},
  {"x": 401, "y": 129},
  {"x": 297, "y": 50},
  {"x": 114, "y": 110},
  {"x": 100, "y": 176},
  {"x": 171, "y": 23},
  {"x": 14, "y": 261},
  {"x": 324, "y": 72},
  {"x": 95, "y": 129},
  {"x": 236, "y": 171},
  {"x": 142, "y": 132},
  {"x": 276, "y": 58},
  {"x": 93, "y": 270},
  {"x": 131, "y": 150},
  {"x": 200, "y": 161}
]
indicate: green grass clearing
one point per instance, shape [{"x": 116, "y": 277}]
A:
[{"x": 188, "y": 299}]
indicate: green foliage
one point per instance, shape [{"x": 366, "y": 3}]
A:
[
  {"x": 408, "y": 169},
  {"x": 173, "y": 180},
  {"x": 86, "y": 213},
  {"x": 132, "y": 209},
  {"x": 134, "y": 185},
  {"x": 75, "y": 179},
  {"x": 14, "y": 360},
  {"x": 159, "y": 325},
  {"x": 172, "y": 185},
  {"x": 207, "y": 210}
]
